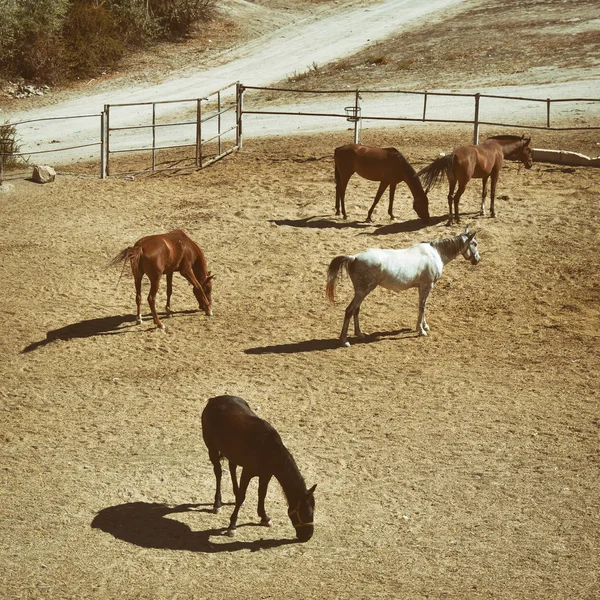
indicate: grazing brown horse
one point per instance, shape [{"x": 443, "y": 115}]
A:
[
  {"x": 231, "y": 430},
  {"x": 166, "y": 253},
  {"x": 386, "y": 165},
  {"x": 482, "y": 161}
]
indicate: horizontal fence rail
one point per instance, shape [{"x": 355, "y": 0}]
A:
[{"x": 212, "y": 125}]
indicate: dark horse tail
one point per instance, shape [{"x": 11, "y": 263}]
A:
[
  {"x": 336, "y": 265},
  {"x": 133, "y": 254},
  {"x": 434, "y": 173}
]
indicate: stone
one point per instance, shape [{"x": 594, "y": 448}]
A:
[{"x": 43, "y": 174}]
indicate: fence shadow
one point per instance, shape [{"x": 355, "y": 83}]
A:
[
  {"x": 149, "y": 526},
  {"x": 84, "y": 329},
  {"x": 330, "y": 343}
]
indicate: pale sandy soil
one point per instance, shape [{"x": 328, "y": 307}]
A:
[{"x": 461, "y": 465}]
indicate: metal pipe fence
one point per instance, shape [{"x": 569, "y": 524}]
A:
[{"x": 210, "y": 123}]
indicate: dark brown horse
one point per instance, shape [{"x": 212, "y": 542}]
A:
[
  {"x": 231, "y": 430},
  {"x": 482, "y": 161},
  {"x": 386, "y": 165},
  {"x": 166, "y": 253}
]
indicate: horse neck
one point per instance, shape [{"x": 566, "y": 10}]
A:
[
  {"x": 289, "y": 477},
  {"x": 414, "y": 185},
  {"x": 510, "y": 147},
  {"x": 200, "y": 264},
  {"x": 449, "y": 248}
]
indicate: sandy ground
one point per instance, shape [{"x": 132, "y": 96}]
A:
[{"x": 460, "y": 465}]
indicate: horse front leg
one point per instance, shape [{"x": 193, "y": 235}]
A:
[
  {"x": 169, "y": 293},
  {"x": 391, "y": 205},
  {"x": 424, "y": 291},
  {"x": 263, "y": 484},
  {"x": 239, "y": 500},
  {"x": 382, "y": 187}
]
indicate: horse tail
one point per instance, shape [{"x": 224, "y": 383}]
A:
[
  {"x": 336, "y": 265},
  {"x": 131, "y": 253},
  {"x": 434, "y": 173}
]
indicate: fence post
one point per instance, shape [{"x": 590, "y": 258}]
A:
[
  {"x": 548, "y": 113},
  {"x": 102, "y": 144},
  {"x": 357, "y": 118},
  {"x": 1, "y": 169},
  {"x": 153, "y": 136},
  {"x": 239, "y": 109},
  {"x": 107, "y": 144},
  {"x": 199, "y": 132},
  {"x": 476, "y": 120},
  {"x": 424, "y": 105}
]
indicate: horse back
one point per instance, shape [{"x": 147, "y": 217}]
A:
[
  {"x": 374, "y": 164},
  {"x": 166, "y": 252},
  {"x": 230, "y": 427},
  {"x": 477, "y": 161}
]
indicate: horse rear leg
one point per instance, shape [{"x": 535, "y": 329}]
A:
[
  {"x": 455, "y": 201},
  {"x": 263, "y": 484},
  {"x": 424, "y": 291},
  {"x": 483, "y": 195},
  {"x": 169, "y": 292},
  {"x": 154, "y": 284},
  {"x": 215, "y": 459},
  {"x": 352, "y": 311},
  {"x": 138, "y": 297},
  {"x": 382, "y": 187},
  {"x": 239, "y": 500},
  {"x": 493, "y": 194},
  {"x": 341, "y": 183}
]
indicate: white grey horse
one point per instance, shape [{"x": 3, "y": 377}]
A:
[{"x": 419, "y": 266}]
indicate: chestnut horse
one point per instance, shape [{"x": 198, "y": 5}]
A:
[
  {"x": 386, "y": 165},
  {"x": 231, "y": 430},
  {"x": 482, "y": 161},
  {"x": 166, "y": 253}
]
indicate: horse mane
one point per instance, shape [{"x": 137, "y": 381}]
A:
[
  {"x": 505, "y": 137},
  {"x": 285, "y": 469},
  {"x": 449, "y": 247}
]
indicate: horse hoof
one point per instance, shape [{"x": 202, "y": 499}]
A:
[
  {"x": 230, "y": 533},
  {"x": 346, "y": 344},
  {"x": 422, "y": 332},
  {"x": 162, "y": 327},
  {"x": 138, "y": 320},
  {"x": 216, "y": 510},
  {"x": 209, "y": 313},
  {"x": 268, "y": 523}
]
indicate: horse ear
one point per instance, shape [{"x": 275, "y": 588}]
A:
[
  {"x": 311, "y": 491},
  {"x": 209, "y": 277}
]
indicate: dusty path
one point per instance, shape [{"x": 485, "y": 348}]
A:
[{"x": 316, "y": 38}]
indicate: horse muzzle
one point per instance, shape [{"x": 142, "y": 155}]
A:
[{"x": 304, "y": 532}]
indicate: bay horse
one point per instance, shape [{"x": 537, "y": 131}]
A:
[
  {"x": 166, "y": 253},
  {"x": 419, "y": 266},
  {"x": 481, "y": 161},
  {"x": 233, "y": 431},
  {"x": 386, "y": 165}
]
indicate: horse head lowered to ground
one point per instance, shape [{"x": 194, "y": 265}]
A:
[
  {"x": 167, "y": 253},
  {"x": 386, "y": 165},
  {"x": 481, "y": 161},
  {"x": 419, "y": 266},
  {"x": 233, "y": 431}
]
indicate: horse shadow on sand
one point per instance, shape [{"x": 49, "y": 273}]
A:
[
  {"x": 331, "y": 343},
  {"x": 149, "y": 525},
  {"x": 320, "y": 222},
  {"x": 115, "y": 325}
]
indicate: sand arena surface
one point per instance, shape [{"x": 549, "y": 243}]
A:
[{"x": 463, "y": 464}]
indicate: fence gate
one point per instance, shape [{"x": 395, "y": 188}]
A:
[{"x": 171, "y": 134}]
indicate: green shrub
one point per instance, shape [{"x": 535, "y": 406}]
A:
[{"x": 9, "y": 144}]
